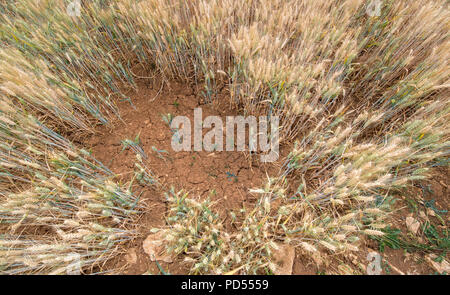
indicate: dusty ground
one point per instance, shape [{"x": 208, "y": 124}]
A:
[{"x": 224, "y": 177}]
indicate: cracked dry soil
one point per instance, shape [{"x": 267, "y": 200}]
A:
[{"x": 224, "y": 177}]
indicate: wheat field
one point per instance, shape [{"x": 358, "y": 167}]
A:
[{"x": 363, "y": 103}]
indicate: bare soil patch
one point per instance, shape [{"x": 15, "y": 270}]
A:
[{"x": 224, "y": 177}]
